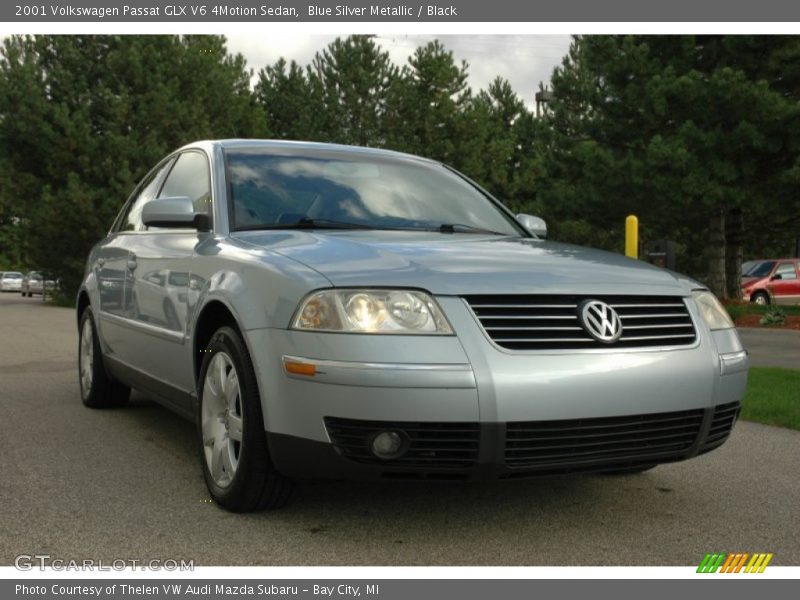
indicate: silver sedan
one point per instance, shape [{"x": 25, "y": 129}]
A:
[{"x": 332, "y": 311}]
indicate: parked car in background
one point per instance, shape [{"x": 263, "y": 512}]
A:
[
  {"x": 777, "y": 279},
  {"x": 11, "y": 281},
  {"x": 330, "y": 311},
  {"x": 32, "y": 283}
]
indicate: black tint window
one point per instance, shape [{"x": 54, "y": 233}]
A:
[
  {"x": 189, "y": 177},
  {"x": 132, "y": 219}
]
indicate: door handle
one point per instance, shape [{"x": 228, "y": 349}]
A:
[{"x": 132, "y": 264}]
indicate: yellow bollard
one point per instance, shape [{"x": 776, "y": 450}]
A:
[{"x": 632, "y": 236}]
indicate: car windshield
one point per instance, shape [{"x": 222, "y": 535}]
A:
[
  {"x": 12, "y": 275},
  {"x": 761, "y": 269},
  {"x": 339, "y": 190}
]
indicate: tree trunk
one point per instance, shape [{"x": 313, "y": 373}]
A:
[
  {"x": 734, "y": 238},
  {"x": 716, "y": 253}
]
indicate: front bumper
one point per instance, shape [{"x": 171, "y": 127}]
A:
[
  {"x": 486, "y": 451},
  {"x": 412, "y": 381}
]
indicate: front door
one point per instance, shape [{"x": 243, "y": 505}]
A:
[{"x": 160, "y": 262}]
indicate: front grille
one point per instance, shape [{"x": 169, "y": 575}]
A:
[
  {"x": 430, "y": 445},
  {"x": 538, "y": 322},
  {"x": 725, "y": 416},
  {"x": 548, "y": 444}
]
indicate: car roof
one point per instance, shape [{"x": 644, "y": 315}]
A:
[{"x": 237, "y": 143}]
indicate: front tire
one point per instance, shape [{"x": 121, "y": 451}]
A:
[
  {"x": 231, "y": 436},
  {"x": 760, "y": 298},
  {"x": 98, "y": 389}
]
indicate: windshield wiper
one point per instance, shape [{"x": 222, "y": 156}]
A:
[
  {"x": 308, "y": 223},
  {"x": 464, "y": 228}
]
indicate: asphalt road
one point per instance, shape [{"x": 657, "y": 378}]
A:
[
  {"x": 80, "y": 483},
  {"x": 772, "y": 347}
]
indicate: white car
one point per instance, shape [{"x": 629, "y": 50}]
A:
[{"x": 11, "y": 281}]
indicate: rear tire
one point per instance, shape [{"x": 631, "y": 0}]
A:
[
  {"x": 98, "y": 389},
  {"x": 230, "y": 430}
]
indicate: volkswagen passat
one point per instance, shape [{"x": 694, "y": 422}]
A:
[{"x": 331, "y": 311}]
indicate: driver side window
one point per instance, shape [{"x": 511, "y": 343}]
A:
[
  {"x": 786, "y": 271},
  {"x": 132, "y": 219},
  {"x": 190, "y": 177}
]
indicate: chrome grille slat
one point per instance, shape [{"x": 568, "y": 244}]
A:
[
  {"x": 524, "y": 306},
  {"x": 675, "y": 305},
  {"x": 536, "y": 328},
  {"x": 655, "y": 316},
  {"x": 546, "y": 322},
  {"x": 560, "y": 340},
  {"x": 660, "y": 326},
  {"x": 660, "y": 337}
]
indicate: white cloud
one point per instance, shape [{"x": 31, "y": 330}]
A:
[{"x": 525, "y": 60}]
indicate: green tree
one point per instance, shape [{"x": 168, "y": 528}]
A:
[
  {"x": 506, "y": 160},
  {"x": 427, "y": 104},
  {"x": 292, "y": 101},
  {"x": 684, "y": 131},
  {"x": 82, "y": 118},
  {"x": 355, "y": 76}
]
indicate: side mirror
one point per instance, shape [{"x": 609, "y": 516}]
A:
[
  {"x": 535, "y": 225},
  {"x": 776, "y": 277},
  {"x": 177, "y": 212}
]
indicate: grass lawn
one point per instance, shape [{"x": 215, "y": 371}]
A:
[
  {"x": 773, "y": 397},
  {"x": 737, "y": 309}
]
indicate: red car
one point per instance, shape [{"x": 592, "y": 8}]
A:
[{"x": 777, "y": 278}]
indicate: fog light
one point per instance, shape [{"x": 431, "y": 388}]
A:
[{"x": 388, "y": 445}]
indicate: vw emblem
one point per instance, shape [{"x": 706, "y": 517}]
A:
[{"x": 600, "y": 321}]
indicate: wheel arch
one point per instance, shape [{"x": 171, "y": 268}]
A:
[
  {"x": 82, "y": 304},
  {"x": 214, "y": 314}
]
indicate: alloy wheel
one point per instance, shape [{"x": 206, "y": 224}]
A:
[
  {"x": 86, "y": 359},
  {"x": 222, "y": 419}
]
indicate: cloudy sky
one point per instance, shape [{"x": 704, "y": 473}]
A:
[{"x": 524, "y": 60}]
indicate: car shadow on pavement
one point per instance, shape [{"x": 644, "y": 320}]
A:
[{"x": 337, "y": 498}]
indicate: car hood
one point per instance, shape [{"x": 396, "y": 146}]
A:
[
  {"x": 454, "y": 264},
  {"x": 748, "y": 281}
]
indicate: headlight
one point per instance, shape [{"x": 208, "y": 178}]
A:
[
  {"x": 371, "y": 311},
  {"x": 713, "y": 312}
]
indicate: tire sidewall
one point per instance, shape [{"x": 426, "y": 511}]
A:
[
  {"x": 91, "y": 397},
  {"x": 229, "y": 341}
]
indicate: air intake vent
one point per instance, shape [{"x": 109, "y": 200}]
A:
[
  {"x": 430, "y": 445},
  {"x": 548, "y": 444},
  {"x": 527, "y": 322},
  {"x": 725, "y": 416}
]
